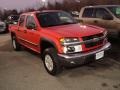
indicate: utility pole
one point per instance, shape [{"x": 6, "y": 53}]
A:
[{"x": 44, "y": 3}]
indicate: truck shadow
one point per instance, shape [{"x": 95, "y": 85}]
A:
[
  {"x": 92, "y": 68},
  {"x": 114, "y": 52}
]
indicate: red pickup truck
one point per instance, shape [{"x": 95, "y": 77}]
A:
[{"x": 60, "y": 39}]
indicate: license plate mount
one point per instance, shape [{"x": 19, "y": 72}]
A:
[{"x": 99, "y": 55}]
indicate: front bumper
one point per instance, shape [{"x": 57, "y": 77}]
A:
[{"x": 81, "y": 58}]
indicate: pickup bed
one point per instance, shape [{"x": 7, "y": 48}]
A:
[{"x": 59, "y": 39}]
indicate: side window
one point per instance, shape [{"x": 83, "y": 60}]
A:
[
  {"x": 100, "y": 12},
  {"x": 88, "y": 12},
  {"x": 21, "y": 21},
  {"x": 30, "y": 22}
]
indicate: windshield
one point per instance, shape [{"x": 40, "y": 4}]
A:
[
  {"x": 48, "y": 19},
  {"x": 115, "y": 10}
]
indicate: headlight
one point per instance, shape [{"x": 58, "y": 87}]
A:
[
  {"x": 105, "y": 33},
  {"x": 71, "y": 45},
  {"x": 65, "y": 41}
]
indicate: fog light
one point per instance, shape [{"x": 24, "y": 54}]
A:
[{"x": 70, "y": 49}]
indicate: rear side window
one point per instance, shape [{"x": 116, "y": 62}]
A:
[
  {"x": 88, "y": 12},
  {"x": 21, "y": 21}
]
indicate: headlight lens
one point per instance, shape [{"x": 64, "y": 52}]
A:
[
  {"x": 71, "y": 45},
  {"x": 105, "y": 33},
  {"x": 64, "y": 41}
]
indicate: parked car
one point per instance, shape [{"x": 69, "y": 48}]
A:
[
  {"x": 13, "y": 19},
  {"x": 106, "y": 16},
  {"x": 2, "y": 27},
  {"x": 59, "y": 39}
]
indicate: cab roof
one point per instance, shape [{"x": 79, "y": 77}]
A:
[
  {"x": 103, "y": 6},
  {"x": 34, "y": 12}
]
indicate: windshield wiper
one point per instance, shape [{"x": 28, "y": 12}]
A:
[{"x": 66, "y": 23}]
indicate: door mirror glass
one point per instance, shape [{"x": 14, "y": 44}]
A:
[{"x": 107, "y": 17}]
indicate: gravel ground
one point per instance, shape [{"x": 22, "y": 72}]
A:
[{"x": 24, "y": 70}]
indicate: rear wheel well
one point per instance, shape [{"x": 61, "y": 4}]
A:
[
  {"x": 119, "y": 34},
  {"x": 45, "y": 44},
  {"x": 12, "y": 34}
]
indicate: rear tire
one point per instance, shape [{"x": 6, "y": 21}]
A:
[
  {"x": 51, "y": 61},
  {"x": 119, "y": 35},
  {"x": 15, "y": 44}
]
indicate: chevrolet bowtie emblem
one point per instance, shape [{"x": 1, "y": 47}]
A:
[{"x": 95, "y": 39}]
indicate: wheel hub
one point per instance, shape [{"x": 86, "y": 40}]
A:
[
  {"x": 49, "y": 62},
  {"x": 14, "y": 44}
]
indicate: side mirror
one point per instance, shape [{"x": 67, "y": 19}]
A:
[
  {"x": 107, "y": 17},
  {"x": 31, "y": 26}
]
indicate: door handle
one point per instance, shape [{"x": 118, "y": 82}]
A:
[
  {"x": 25, "y": 31},
  {"x": 95, "y": 21},
  {"x": 18, "y": 30}
]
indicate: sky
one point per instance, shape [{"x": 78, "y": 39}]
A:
[{"x": 19, "y": 4}]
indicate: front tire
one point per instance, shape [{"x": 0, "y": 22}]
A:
[
  {"x": 15, "y": 44},
  {"x": 51, "y": 61}
]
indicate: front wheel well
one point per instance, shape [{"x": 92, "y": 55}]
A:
[
  {"x": 12, "y": 34},
  {"x": 46, "y": 44}
]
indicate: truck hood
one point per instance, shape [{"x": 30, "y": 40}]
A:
[{"x": 75, "y": 30}]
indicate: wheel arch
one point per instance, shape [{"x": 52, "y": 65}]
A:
[
  {"x": 46, "y": 43},
  {"x": 13, "y": 34}
]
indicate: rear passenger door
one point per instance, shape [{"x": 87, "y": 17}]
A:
[{"x": 21, "y": 28}]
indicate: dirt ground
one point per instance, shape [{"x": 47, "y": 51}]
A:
[{"x": 24, "y": 70}]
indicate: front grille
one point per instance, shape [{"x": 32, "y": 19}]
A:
[{"x": 93, "y": 43}]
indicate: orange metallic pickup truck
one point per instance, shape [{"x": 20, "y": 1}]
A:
[{"x": 60, "y": 40}]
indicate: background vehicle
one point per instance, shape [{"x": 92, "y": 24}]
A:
[
  {"x": 3, "y": 27},
  {"x": 106, "y": 16},
  {"x": 13, "y": 19},
  {"x": 59, "y": 39}
]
